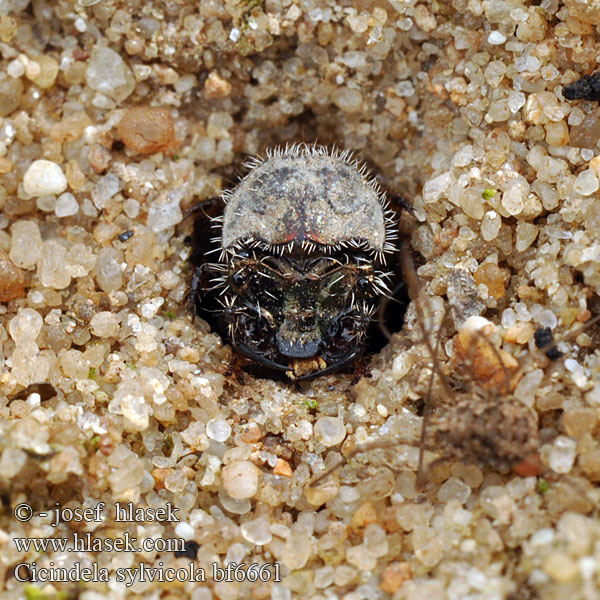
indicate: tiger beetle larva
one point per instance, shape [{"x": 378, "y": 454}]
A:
[{"x": 299, "y": 261}]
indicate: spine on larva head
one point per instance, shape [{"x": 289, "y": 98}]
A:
[{"x": 303, "y": 240}]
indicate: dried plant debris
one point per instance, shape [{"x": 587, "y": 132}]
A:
[{"x": 119, "y": 117}]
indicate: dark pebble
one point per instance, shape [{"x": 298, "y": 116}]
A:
[
  {"x": 123, "y": 237},
  {"x": 190, "y": 551},
  {"x": 543, "y": 338},
  {"x": 586, "y": 88}
]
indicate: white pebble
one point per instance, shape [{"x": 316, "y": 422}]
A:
[
  {"x": 131, "y": 208},
  {"x": 330, "y": 431},
  {"x": 16, "y": 68},
  {"x": 360, "y": 557},
  {"x": 496, "y": 38},
  {"x": 401, "y": 365},
  {"x": 593, "y": 396},
  {"x": 576, "y": 117},
  {"x": 382, "y": 411},
  {"x": 527, "y": 387},
  {"x": 477, "y": 323},
  {"x": 348, "y": 99},
  {"x": 375, "y": 540},
  {"x": 525, "y": 235},
  {"x": 434, "y": 188},
  {"x": 348, "y": 494},
  {"x": 66, "y": 205},
  {"x": 12, "y": 461},
  {"x": 358, "y": 411},
  {"x": 44, "y": 177},
  {"x": 105, "y": 189},
  {"x": 88, "y": 209},
  {"x": 236, "y": 553},
  {"x": 542, "y": 538},
  {"x": 513, "y": 201},
  {"x": 234, "y": 506},
  {"x": 257, "y": 531},
  {"x": 218, "y": 430},
  {"x": 404, "y": 88},
  {"x": 80, "y": 25},
  {"x": 587, "y": 566},
  {"x": 104, "y": 324},
  {"x": 577, "y": 372},
  {"x": 185, "y": 83},
  {"x": 586, "y": 183},
  {"x": 240, "y": 479},
  {"x": 34, "y": 400},
  {"x": 165, "y": 212},
  {"x": 149, "y": 308},
  {"x": 184, "y": 530},
  {"x": 25, "y": 326},
  {"x": 544, "y": 316},
  {"x": 52, "y": 266},
  {"x": 533, "y": 64},
  {"x": 562, "y": 455},
  {"x": 515, "y": 101},
  {"x": 136, "y": 410},
  {"x": 280, "y": 530},
  {"x": 490, "y": 225},
  {"x": 454, "y": 489},
  {"x": 108, "y": 269},
  {"x": 522, "y": 311},
  {"x": 464, "y": 156},
  {"x": 109, "y": 74},
  {"x": 46, "y": 203},
  {"x": 26, "y": 243},
  {"x": 324, "y": 577},
  {"x": 278, "y": 590},
  {"x": 586, "y": 154},
  {"x": 509, "y": 318}
]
